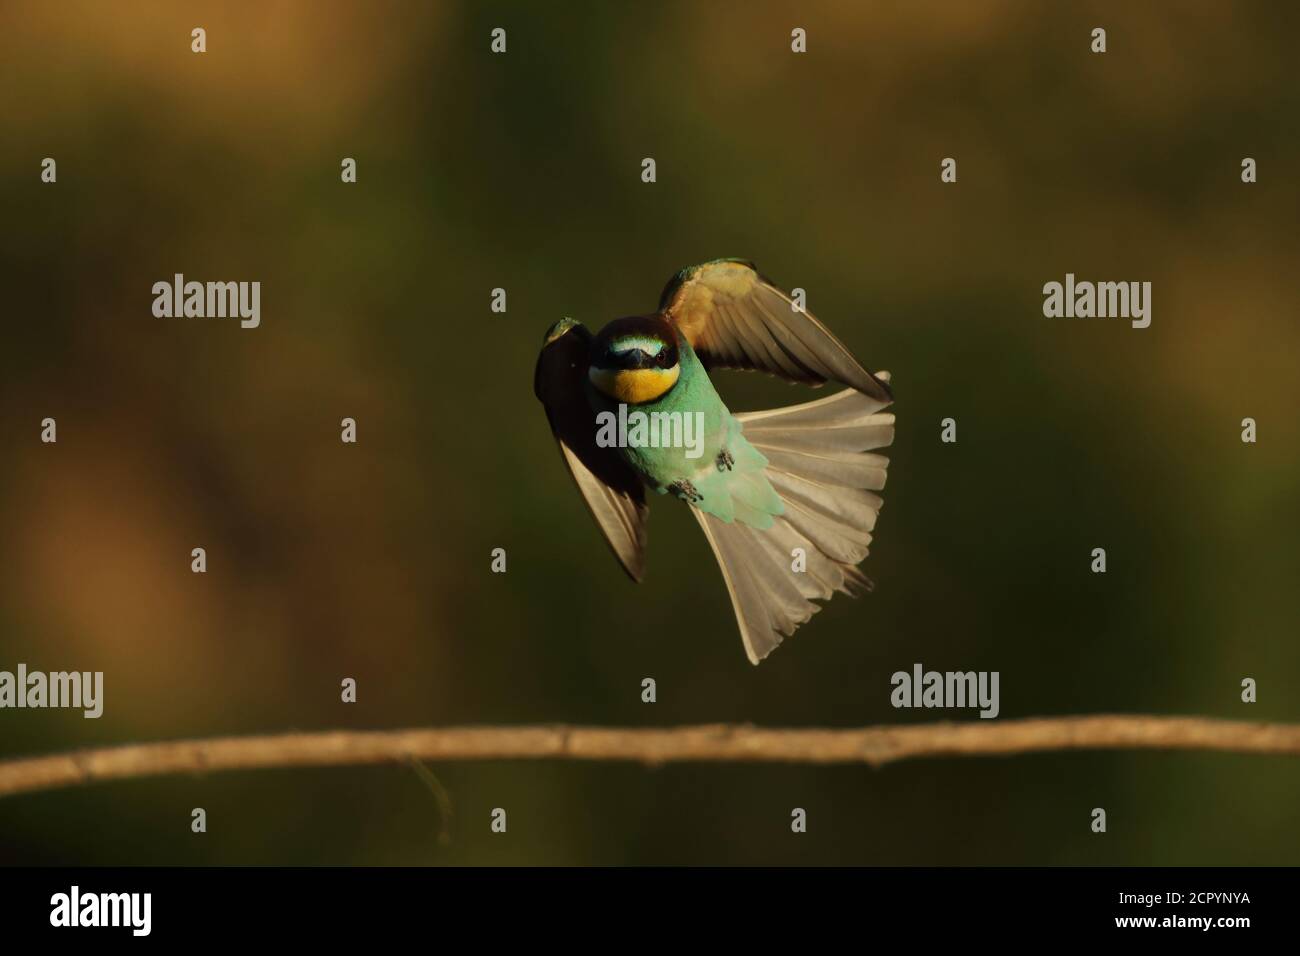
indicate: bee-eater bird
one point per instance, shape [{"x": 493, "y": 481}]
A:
[{"x": 786, "y": 497}]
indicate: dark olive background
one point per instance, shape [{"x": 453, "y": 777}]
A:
[{"x": 523, "y": 171}]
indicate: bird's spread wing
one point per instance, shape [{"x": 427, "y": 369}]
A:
[
  {"x": 612, "y": 490},
  {"x": 735, "y": 318}
]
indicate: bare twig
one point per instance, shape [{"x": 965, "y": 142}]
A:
[{"x": 874, "y": 746}]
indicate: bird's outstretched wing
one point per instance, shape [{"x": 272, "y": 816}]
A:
[
  {"x": 735, "y": 318},
  {"x": 613, "y": 491}
]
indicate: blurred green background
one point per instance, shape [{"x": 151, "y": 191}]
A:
[{"x": 523, "y": 171}]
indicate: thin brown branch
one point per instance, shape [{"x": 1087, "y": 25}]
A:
[{"x": 874, "y": 746}]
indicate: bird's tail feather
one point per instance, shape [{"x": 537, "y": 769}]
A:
[{"x": 820, "y": 462}]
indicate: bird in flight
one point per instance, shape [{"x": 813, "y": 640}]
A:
[{"x": 785, "y": 497}]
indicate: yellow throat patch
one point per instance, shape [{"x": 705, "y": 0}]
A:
[{"x": 634, "y": 386}]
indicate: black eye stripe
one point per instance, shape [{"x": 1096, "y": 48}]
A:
[{"x": 665, "y": 359}]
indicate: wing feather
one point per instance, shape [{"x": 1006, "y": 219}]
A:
[
  {"x": 613, "y": 492},
  {"x": 735, "y": 318}
]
